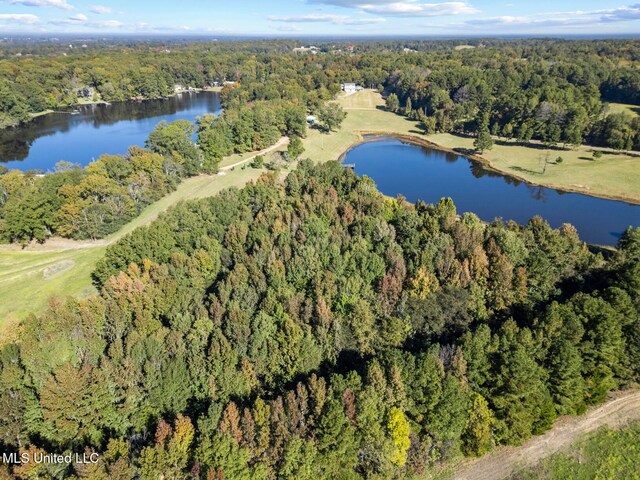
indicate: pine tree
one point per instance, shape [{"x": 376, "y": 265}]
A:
[
  {"x": 392, "y": 102},
  {"x": 408, "y": 109},
  {"x": 483, "y": 141}
]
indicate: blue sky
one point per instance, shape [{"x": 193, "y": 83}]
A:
[{"x": 318, "y": 17}]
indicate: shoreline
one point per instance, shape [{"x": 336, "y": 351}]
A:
[
  {"x": 486, "y": 163},
  {"x": 104, "y": 102}
]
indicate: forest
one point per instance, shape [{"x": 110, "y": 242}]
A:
[
  {"x": 312, "y": 328},
  {"x": 551, "y": 91},
  {"x": 93, "y": 202}
]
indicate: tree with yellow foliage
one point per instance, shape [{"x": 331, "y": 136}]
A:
[{"x": 399, "y": 430}]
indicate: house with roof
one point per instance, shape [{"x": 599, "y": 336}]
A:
[{"x": 350, "y": 87}]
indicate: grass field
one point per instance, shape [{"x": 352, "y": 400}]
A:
[
  {"x": 364, "y": 114},
  {"x": 606, "y": 454},
  {"x": 624, "y": 107},
  {"x": 615, "y": 175},
  {"x": 29, "y": 278}
]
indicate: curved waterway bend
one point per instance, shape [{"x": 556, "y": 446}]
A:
[
  {"x": 421, "y": 173},
  {"x": 93, "y": 130}
]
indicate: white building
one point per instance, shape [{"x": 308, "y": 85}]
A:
[
  {"x": 311, "y": 49},
  {"x": 350, "y": 87}
]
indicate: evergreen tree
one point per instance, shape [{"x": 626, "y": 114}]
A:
[
  {"x": 476, "y": 438},
  {"x": 483, "y": 141},
  {"x": 392, "y": 102},
  {"x": 408, "y": 109}
]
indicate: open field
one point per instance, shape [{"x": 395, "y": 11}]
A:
[
  {"x": 62, "y": 267},
  {"x": 615, "y": 175},
  {"x": 364, "y": 114},
  {"x": 28, "y": 278},
  {"x": 624, "y": 107}
]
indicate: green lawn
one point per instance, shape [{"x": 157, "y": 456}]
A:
[
  {"x": 29, "y": 278},
  {"x": 364, "y": 114},
  {"x": 26, "y": 286},
  {"x": 624, "y": 107},
  {"x": 606, "y": 454},
  {"x": 615, "y": 175}
]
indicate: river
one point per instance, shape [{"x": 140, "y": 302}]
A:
[
  {"x": 422, "y": 173},
  {"x": 96, "y": 129}
]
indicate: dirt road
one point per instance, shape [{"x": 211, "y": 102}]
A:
[
  {"x": 623, "y": 408},
  {"x": 58, "y": 244},
  {"x": 275, "y": 146}
]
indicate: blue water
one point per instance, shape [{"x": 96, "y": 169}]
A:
[
  {"x": 429, "y": 175},
  {"x": 96, "y": 130}
]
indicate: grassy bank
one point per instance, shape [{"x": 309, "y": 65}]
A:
[
  {"x": 615, "y": 175},
  {"x": 29, "y": 278},
  {"x": 364, "y": 114},
  {"x": 605, "y": 454}
]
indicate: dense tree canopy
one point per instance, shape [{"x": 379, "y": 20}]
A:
[
  {"x": 551, "y": 90},
  {"x": 313, "y": 328}
]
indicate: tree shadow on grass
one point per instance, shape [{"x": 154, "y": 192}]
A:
[
  {"x": 464, "y": 151},
  {"x": 524, "y": 170}
]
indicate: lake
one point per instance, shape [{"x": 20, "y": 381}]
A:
[
  {"x": 427, "y": 174},
  {"x": 97, "y": 129}
]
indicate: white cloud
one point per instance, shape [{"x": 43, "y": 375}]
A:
[
  {"x": 78, "y": 19},
  {"x": 101, "y": 10},
  {"x": 149, "y": 27},
  {"x": 405, "y": 8},
  {"x": 83, "y": 21},
  {"x": 41, "y": 3},
  {"x": 108, "y": 24},
  {"x": 20, "y": 18},
  {"x": 559, "y": 19},
  {"x": 325, "y": 18}
]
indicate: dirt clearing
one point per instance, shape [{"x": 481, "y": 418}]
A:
[{"x": 622, "y": 409}]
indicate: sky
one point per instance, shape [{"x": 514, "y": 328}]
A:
[{"x": 321, "y": 17}]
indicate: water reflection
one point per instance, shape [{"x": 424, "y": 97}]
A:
[
  {"x": 418, "y": 172},
  {"x": 95, "y": 129}
]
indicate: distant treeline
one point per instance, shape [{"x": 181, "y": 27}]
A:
[
  {"x": 95, "y": 201},
  {"x": 313, "y": 329},
  {"x": 553, "y": 94},
  {"x": 550, "y": 90}
]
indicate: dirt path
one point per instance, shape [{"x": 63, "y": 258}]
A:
[
  {"x": 275, "y": 146},
  {"x": 617, "y": 412},
  {"x": 58, "y": 244}
]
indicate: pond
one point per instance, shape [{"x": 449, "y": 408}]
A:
[
  {"x": 426, "y": 174},
  {"x": 93, "y": 130}
]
